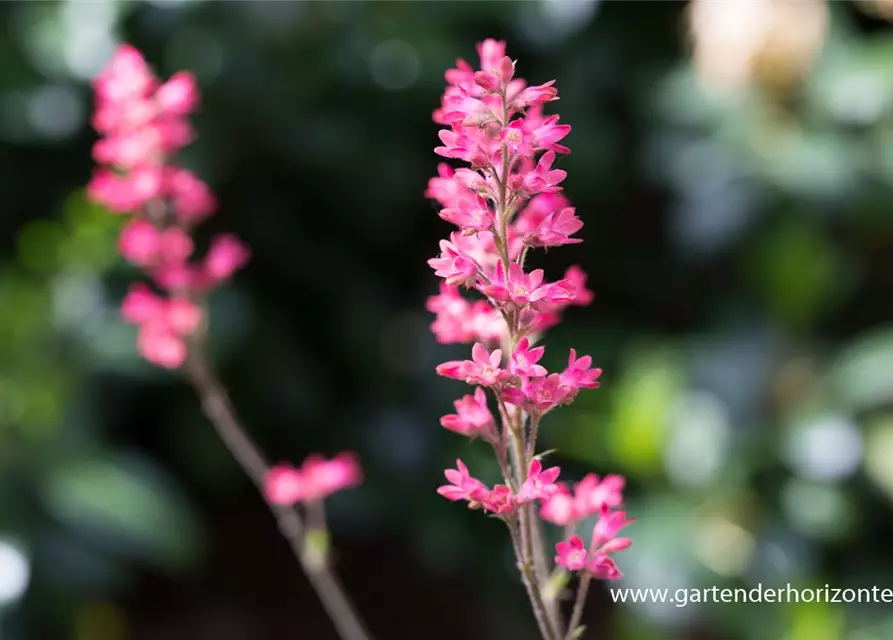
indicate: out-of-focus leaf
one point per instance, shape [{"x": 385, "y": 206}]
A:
[
  {"x": 128, "y": 506},
  {"x": 879, "y": 454},
  {"x": 815, "y": 621},
  {"x": 861, "y": 376},
  {"x": 798, "y": 271},
  {"x": 642, "y": 403}
]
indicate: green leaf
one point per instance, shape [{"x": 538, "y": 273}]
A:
[{"x": 129, "y": 506}]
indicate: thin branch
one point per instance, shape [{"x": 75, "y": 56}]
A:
[
  {"x": 217, "y": 407},
  {"x": 582, "y": 590}
]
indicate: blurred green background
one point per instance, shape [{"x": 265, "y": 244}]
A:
[{"x": 736, "y": 182}]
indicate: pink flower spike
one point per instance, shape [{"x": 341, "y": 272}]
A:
[
  {"x": 540, "y": 484},
  {"x": 462, "y": 486},
  {"x": 571, "y": 554},
  {"x": 284, "y": 485},
  {"x": 524, "y": 359}
]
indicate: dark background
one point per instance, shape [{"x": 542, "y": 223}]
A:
[{"x": 741, "y": 251}]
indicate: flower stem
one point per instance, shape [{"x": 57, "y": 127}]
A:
[
  {"x": 219, "y": 410},
  {"x": 528, "y": 577},
  {"x": 578, "y": 605}
]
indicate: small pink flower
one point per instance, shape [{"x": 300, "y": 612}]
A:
[
  {"x": 315, "y": 480},
  {"x": 579, "y": 375},
  {"x": 571, "y": 554},
  {"x": 125, "y": 77},
  {"x": 524, "y": 359},
  {"x": 182, "y": 316},
  {"x": 445, "y": 187},
  {"x": 470, "y": 215},
  {"x": 546, "y": 131},
  {"x": 140, "y": 242},
  {"x": 325, "y": 477},
  {"x": 453, "y": 265},
  {"x": 226, "y": 255},
  {"x": 540, "y": 483},
  {"x": 179, "y": 95},
  {"x": 192, "y": 200},
  {"x": 458, "y": 320},
  {"x": 559, "y": 508},
  {"x": 472, "y": 417},
  {"x": 537, "y": 394},
  {"x": 544, "y": 179},
  {"x": 536, "y": 95},
  {"x": 482, "y": 369},
  {"x": 516, "y": 137},
  {"x": 491, "y": 52},
  {"x": 113, "y": 192},
  {"x": 575, "y": 278},
  {"x": 462, "y": 486},
  {"x": 141, "y": 305},
  {"x": 602, "y": 567},
  {"x": 174, "y": 246},
  {"x": 604, "y": 534},
  {"x": 556, "y": 230},
  {"x": 574, "y": 556},
  {"x": 499, "y": 501},
  {"x": 516, "y": 287},
  {"x": 456, "y": 144},
  {"x": 594, "y": 496},
  {"x": 158, "y": 344},
  {"x": 284, "y": 485}
]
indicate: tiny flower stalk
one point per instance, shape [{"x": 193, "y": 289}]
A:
[
  {"x": 507, "y": 202},
  {"x": 142, "y": 123}
]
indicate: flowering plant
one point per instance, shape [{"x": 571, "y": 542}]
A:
[
  {"x": 142, "y": 122},
  {"x": 505, "y": 203}
]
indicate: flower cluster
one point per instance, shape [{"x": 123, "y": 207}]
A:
[
  {"x": 574, "y": 556},
  {"x": 315, "y": 480},
  {"x": 142, "y": 123},
  {"x": 505, "y": 202}
]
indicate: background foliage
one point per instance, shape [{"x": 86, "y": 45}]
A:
[{"x": 741, "y": 251}]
